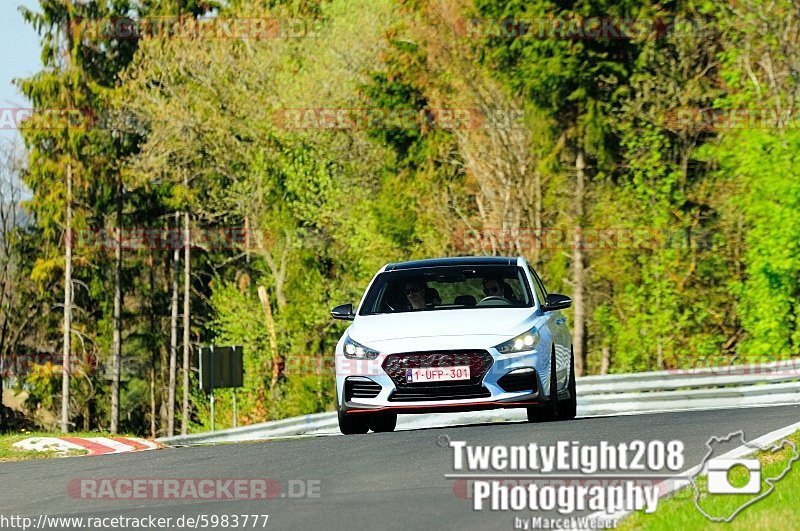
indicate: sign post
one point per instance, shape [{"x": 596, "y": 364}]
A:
[
  {"x": 233, "y": 392},
  {"x": 212, "y": 387},
  {"x": 221, "y": 367}
]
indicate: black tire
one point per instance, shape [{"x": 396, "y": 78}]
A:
[
  {"x": 384, "y": 422},
  {"x": 567, "y": 409},
  {"x": 547, "y": 412},
  {"x": 353, "y": 424}
]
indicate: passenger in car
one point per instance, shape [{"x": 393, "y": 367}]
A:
[
  {"x": 508, "y": 293},
  {"x": 432, "y": 297}
]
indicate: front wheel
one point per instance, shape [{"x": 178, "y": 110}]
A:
[
  {"x": 569, "y": 407},
  {"x": 548, "y": 411},
  {"x": 352, "y": 424},
  {"x": 383, "y": 422}
]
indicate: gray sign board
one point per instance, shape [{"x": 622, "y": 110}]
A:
[{"x": 221, "y": 367}]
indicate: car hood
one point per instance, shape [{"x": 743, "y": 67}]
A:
[{"x": 490, "y": 321}]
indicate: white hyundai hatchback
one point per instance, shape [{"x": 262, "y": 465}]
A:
[{"x": 453, "y": 334}]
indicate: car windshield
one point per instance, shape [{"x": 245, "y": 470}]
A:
[{"x": 448, "y": 288}]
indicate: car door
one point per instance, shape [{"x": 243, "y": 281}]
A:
[{"x": 557, "y": 323}]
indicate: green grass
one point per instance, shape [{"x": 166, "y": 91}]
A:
[
  {"x": 9, "y": 453},
  {"x": 778, "y": 510}
]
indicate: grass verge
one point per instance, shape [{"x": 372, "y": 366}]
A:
[
  {"x": 9, "y": 453},
  {"x": 775, "y": 511}
]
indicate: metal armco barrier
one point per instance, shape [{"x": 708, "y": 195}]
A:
[{"x": 731, "y": 386}]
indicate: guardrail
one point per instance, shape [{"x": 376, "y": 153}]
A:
[
  {"x": 773, "y": 372},
  {"x": 707, "y": 388}
]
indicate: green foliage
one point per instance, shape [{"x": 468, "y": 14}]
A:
[
  {"x": 705, "y": 264},
  {"x": 239, "y": 321},
  {"x": 762, "y": 162},
  {"x": 42, "y": 384}
]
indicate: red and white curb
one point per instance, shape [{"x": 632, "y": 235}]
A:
[{"x": 93, "y": 445}]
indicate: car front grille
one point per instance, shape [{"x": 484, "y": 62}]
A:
[
  {"x": 443, "y": 392},
  {"x": 479, "y": 362},
  {"x": 360, "y": 387}
]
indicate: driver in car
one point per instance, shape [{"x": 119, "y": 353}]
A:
[
  {"x": 492, "y": 287},
  {"x": 415, "y": 294},
  {"x": 495, "y": 287}
]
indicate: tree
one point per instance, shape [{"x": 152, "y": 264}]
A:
[
  {"x": 577, "y": 80},
  {"x": 76, "y": 70},
  {"x": 11, "y": 270},
  {"x": 756, "y": 155},
  {"x": 60, "y": 51}
]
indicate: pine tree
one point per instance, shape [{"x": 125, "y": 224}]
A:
[{"x": 70, "y": 158}]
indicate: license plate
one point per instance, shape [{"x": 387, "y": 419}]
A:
[{"x": 437, "y": 374}]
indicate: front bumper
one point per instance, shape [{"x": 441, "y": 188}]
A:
[{"x": 377, "y": 390}]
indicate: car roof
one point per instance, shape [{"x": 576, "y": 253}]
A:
[{"x": 455, "y": 261}]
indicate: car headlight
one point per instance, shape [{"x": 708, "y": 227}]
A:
[
  {"x": 526, "y": 341},
  {"x": 356, "y": 351}
]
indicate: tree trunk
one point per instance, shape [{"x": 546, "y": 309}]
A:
[
  {"x": 87, "y": 415},
  {"x": 247, "y": 241},
  {"x": 117, "y": 359},
  {"x": 173, "y": 338},
  {"x": 156, "y": 350},
  {"x": 162, "y": 384},
  {"x": 153, "y": 431},
  {"x": 67, "y": 306},
  {"x": 659, "y": 354},
  {"x": 605, "y": 360},
  {"x": 278, "y": 271},
  {"x": 578, "y": 266},
  {"x": 6, "y": 304},
  {"x": 186, "y": 308},
  {"x": 277, "y": 362},
  {"x": 3, "y": 350}
]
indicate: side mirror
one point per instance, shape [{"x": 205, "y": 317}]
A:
[
  {"x": 556, "y": 301},
  {"x": 344, "y": 312}
]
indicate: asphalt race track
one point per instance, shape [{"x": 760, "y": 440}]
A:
[{"x": 391, "y": 480}]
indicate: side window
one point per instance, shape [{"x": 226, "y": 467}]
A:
[
  {"x": 541, "y": 285},
  {"x": 541, "y": 293}
]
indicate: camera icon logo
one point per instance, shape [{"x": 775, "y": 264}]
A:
[
  {"x": 736, "y": 473},
  {"x": 719, "y": 482}
]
